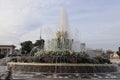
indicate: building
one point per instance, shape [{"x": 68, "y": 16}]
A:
[
  {"x": 82, "y": 47},
  {"x": 94, "y": 53},
  {"x": 6, "y": 49}
]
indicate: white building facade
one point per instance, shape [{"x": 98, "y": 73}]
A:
[{"x": 7, "y": 49}]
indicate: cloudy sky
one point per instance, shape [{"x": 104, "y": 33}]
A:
[{"x": 95, "y": 22}]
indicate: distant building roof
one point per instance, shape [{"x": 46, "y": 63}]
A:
[{"x": 7, "y": 46}]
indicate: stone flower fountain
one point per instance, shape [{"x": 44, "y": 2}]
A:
[{"x": 61, "y": 57}]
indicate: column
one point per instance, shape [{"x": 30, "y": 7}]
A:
[
  {"x": 10, "y": 50},
  {"x": 7, "y": 51}
]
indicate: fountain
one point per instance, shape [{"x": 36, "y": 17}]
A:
[{"x": 61, "y": 57}]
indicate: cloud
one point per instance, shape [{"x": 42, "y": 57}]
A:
[
  {"x": 18, "y": 18},
  {"x": 93, "y": 22}
]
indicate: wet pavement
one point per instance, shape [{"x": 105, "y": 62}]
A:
[{"x": 76, "y": 76}]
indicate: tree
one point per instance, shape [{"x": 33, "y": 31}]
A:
[
  {"x": 118, "y": 52},
  {"x": 40, "y": 43},
  {"x": 26, "y": 47},
  {"x": 109, "y": 53}
]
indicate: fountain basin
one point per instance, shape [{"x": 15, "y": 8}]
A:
[{"x": 62, "y": 67}]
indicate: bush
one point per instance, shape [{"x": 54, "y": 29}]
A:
[{"x": 102, "y": 60}]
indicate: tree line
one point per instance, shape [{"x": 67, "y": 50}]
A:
[{"x": 27, "y": 46}]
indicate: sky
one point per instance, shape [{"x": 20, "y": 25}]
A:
[{"x": 94, "y": 22}]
